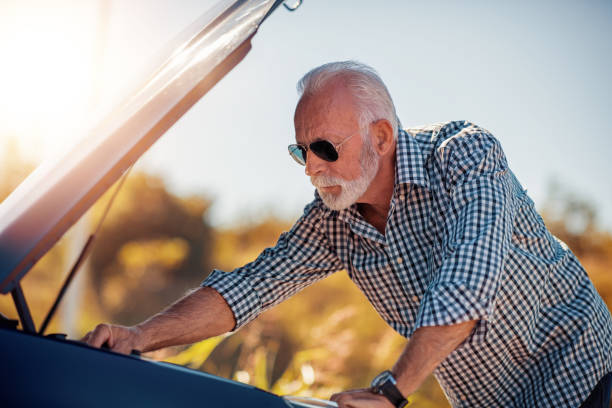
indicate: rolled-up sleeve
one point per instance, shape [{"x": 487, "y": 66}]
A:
[
  {"x": 300, "y": 257},
  {"x": 478, "y": 226}
]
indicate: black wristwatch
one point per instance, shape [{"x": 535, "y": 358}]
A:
[{"x": 385, "y": 384}]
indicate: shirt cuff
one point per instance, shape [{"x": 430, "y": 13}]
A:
[
  {"x": 446, "y": 304},
  {"x": 238, "y": 293}
]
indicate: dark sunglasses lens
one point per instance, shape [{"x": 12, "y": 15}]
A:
[
  {"x": 298, "y": 153},
  {"x": 324, "y": 150}
]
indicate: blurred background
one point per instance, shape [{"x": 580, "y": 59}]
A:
[{"x": 219, "y": 186}]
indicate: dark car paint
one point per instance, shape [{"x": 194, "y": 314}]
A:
[{"x": 44, "y": 371}]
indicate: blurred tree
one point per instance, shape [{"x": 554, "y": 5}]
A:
[{"x": 151, "y": 249}]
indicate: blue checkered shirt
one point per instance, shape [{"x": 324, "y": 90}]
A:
[{"x": 463, "y": 242}]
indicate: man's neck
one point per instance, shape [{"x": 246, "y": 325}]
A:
[
  {"x": 375, "y": 203},
  {"x": 376, "y": 217}
]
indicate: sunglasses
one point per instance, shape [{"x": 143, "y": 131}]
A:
[{"x": 323, "y": 149}]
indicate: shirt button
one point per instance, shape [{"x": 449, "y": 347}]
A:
[
  {"x": 415, "y": 298},
  {"x": 399, "y": 260}
]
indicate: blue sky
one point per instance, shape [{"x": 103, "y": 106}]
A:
[{"x": 536, "y": 74}]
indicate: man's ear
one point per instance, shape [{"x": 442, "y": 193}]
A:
[{"x": 382, "y": 136}]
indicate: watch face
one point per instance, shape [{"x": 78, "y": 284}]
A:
[{"x": 381, "y": 378}]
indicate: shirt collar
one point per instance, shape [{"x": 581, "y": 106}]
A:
[{"x": 410, "y": 161}]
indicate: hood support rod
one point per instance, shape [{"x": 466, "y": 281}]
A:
[
  {"x": 73, "y": 271},
  {"x": 82, "y": 255},
  {"x": 22, "y": 308}
]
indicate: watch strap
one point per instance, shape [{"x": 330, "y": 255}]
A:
[{"x": 393, "y": 394}]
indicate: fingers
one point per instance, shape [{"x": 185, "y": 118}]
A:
[
  {"x": 100, "y": 335},
  {"x": 362, "y": 398},
  {"x": 343, "y": 393},
  {"x": 123, "y": 347},
  {"x": 118, "y": 338},
  {"x": 342, "y": 399}
]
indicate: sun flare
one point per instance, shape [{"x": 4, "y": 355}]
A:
[{"x": 47, "y": 69}]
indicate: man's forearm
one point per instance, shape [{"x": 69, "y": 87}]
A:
[
  {"x": 427, "y": 348},
  {"x": 201, "y": 314}
]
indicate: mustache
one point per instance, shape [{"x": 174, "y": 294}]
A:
[{"x": 325, "y": 181}]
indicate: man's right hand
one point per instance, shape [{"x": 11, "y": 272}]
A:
[
  {"x": 183, "y": 322},
  {"x": 121, "y": 339}
]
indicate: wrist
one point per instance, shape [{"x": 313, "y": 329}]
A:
[
  {"x": 404, "y": 382},
  {"x": 385, "y": 384},
  {"x": 140, "y": 338}
]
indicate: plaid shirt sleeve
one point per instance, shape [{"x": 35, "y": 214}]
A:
[
  {"x": 300, "y": 257},
  {"x": 477, "y": 234}
]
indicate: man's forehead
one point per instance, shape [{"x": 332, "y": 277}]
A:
[
  {"x": 330, "y": 127},
  {"x": 314, "y": 133},
  {"x": 327, "y": 113}
]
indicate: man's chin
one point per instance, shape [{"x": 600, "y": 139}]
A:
[{"x": 334, "y": 201}]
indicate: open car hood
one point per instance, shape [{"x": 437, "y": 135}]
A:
[{"x": 59, "y": 192}]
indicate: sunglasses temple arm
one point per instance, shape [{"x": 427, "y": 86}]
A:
[{"x": 343, "y": 142}]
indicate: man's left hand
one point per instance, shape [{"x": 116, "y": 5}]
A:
[{"x": 362, "y": 398}]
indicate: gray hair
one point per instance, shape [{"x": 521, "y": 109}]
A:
[{"x": 369, "y": 90}]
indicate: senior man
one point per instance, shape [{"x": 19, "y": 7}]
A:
[{"x": 434, "y": 228}]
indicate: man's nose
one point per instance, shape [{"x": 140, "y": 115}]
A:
[{"x": 314, "y": 165}]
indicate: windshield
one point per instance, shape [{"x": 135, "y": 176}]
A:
[{"x": 59, "y": 191}]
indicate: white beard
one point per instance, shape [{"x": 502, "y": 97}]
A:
[{"x": 350, "y": 190}]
